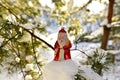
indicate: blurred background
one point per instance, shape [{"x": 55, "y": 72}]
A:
[{"x": 29, "y": 28}]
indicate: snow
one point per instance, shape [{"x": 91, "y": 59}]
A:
[
  {"x": 89, "y": 74},
  {"x": 28, "y": 25},
  {"x": 95, "y": 10},
  {"x": 5, "y": 76},
  {"x": 112, "y": 74},
  {"x": 115, "y": 52},
  {"x": 60, "y": 70},
  {"x": 76, "y": 56},
  {"x": 96, "y": 33}
]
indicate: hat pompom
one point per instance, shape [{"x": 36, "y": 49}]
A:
[{"x": 62, "y": 31}]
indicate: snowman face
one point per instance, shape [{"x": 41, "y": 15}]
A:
[{"x": 62, "y": 37}]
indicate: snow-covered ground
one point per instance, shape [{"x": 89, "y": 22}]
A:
[
  {"x": 114, "y": 71},
  {"x": 112, "y": 74}
]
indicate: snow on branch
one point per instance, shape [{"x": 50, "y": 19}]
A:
[
  {"x": 113, "y": 52},
  {"x": 113, "y": 24},
  {"x": 32, "y": 34}
]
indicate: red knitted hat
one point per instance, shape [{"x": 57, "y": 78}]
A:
[{"x": 62, "y": 30}]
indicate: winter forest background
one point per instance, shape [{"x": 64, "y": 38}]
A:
[{"x": 28, "y": 31}]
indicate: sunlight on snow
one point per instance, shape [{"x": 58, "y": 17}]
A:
[
  {"x": 95, "y": 7},
  {"x": 47, "y": 3}
]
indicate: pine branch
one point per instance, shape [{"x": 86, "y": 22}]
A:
[
  {"x": 81, "y": 52},
  {"x": 80, "y": 8},
  {"x": 9, "y": 10},
  {"x": 8, "y": 41},
  {"x": 35, "y": 57},
  {"x": 26, "y": 29},
  {"x": 32, "y": 34}
]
